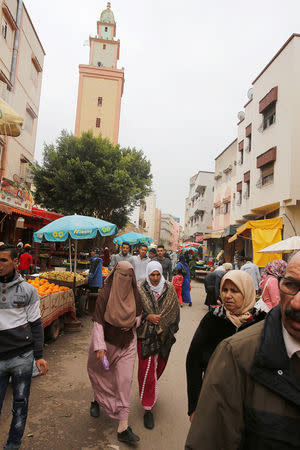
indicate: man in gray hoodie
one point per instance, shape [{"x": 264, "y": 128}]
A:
[
  {"x": 21, "y": 340},
  {"x": 124, "y": 255}
]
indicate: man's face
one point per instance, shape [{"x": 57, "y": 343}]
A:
[
  {"x": 142, "y": 252},
  {"x": 290, "y": 304},
  {"x": 93, "y": 253},
  {"x": 160, "y": 252},
  {"x": 125, "y": 249},
  {"x": 151, "y": 255},
  {"x": 7, "y": 264}
]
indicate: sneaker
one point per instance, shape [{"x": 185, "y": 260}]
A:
[
  {"x": 94, "y": 409},
  {"x": 148, "y": 420},
  {"x": 190, "y": 304},
  {"x": 128, "y": 436}
]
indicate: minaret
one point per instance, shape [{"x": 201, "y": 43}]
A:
[{"x": 101, "y": 83}]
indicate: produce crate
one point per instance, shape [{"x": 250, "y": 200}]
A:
[{"x": 69, "y": 284}]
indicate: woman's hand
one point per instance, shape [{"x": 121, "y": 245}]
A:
[
  {"x": 154, "y": 318},
  {"x": 100, "y": 355}
]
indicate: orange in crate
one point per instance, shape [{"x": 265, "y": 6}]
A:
[{"x": 45, "y": 288}]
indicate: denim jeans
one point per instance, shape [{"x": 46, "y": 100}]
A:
[{"x": 19, "y": 369}]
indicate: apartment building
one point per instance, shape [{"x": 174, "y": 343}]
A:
[
  {"x": 166, "y": 231},
  {"x": 268, "y": 157},
  {"x": 199, "y": 205},
  {"x": 21, "y": 69}
]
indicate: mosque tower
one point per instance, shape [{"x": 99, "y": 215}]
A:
[{"x": 101, "y": 83}]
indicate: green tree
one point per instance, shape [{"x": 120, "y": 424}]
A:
[{"x": 90, "y": 176}]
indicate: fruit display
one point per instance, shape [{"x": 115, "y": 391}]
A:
[
  {"x": 45, "y": 288},
  {"x": 105, "y": 271},
  {"x": 62, "y": 276}
]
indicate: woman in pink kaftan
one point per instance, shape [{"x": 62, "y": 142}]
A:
[{"x": 117, "y": 314}]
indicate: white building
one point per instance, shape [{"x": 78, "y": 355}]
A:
[{"x": 199, "y": 205}]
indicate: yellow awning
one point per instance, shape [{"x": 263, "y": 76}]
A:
[
  {"x": 263, "y": 233},
  {"x": 10, "y": 122}
]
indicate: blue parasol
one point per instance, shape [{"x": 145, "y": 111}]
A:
[{"x": 133, "y": 238}]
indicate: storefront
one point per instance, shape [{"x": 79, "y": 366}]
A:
[{"x": 255, "y": 235}]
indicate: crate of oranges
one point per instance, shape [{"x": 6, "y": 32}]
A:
[{"x": 44, "y": 287}]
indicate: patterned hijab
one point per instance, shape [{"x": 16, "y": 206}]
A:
[
  {"x": 275, "y": 268},
  {"x": 245, "y": 285}
]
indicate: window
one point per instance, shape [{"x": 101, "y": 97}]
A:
[
  {"x": 247, "y": 193},
  {"x": 106, "y": 29},
  {"x": 104, "y": 46},
  {"x": 218, "y": 211},
  {"x": 4, "y": 28},
  {"x": 269, "y": 116},
  {"x": 99, "y": 101},
  {"x": 249, "y": 142},
  {"x": 267, "y": 174},
  {"x": 228, "y": 175},
  {"x": 242, "y": 156},
  {"x": 98, "y": 122},
  {"x": 226, "y": 208}
]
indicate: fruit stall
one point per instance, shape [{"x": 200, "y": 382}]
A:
[{"x": 57, "y": 306}]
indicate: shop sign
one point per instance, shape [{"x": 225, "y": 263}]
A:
[{"x": 15, "y": 195}]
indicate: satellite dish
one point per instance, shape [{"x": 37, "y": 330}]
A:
[
  {"x": 241, "y": 115},
  {"x": 250, "y": 94}
]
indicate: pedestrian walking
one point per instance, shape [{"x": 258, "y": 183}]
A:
[
  {"x": 106, "y": 257},
  {"x": 117, "y": 313},
  {"x": 253, "y": 271},
  {"x": 212, "y": 283},
  {"x": 21, "y": 340},
  {"x": 124, "y": 255},
  {"x": 25, "y": 261},
  {"x": 95, "y": 279},
  {"x": 165, "y": 262},
  {"x": 270, "y": 277},
  {"x": 152, "y": 253},
  {"x": 174, "y": 260},
  {"x": 186, "y": 285},
  {"x": 140, "y": 263},
  {"x": 160, "y": 321},
  {"x": 177, "y": 283},
  {"x": 250, "y": 395},
  {"x": 235, "y": 314}
]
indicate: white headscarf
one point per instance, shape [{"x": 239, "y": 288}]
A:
[{"x": 152, "y": 267}]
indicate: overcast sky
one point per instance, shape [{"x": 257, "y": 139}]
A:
[{"x": 188, "y": 67}]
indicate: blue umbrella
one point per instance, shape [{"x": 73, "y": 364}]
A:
[
  {"x": 133, "y": 238},
  {"x": 74, "y": 227}
]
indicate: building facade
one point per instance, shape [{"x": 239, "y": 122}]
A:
[
  {"x": 199, "y": 205},
  {"x": 101, "y": 83},
  {"x": 21, "y": 70},
  {"x": 166, "y": 231},
  {"x": 268, "y": 160}
]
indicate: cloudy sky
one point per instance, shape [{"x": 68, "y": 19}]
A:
[{"x": 188, "y": 67}]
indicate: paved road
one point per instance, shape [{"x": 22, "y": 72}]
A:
[{"x": 59, "y": 406}]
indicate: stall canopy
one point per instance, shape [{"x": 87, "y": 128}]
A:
[
  {"x": 133, "y": 239},
  {"x": 263, "y": 233},
  {"x": 10, "y": 122}
]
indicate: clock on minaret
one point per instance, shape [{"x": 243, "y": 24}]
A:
[{"x": 101, "y": 83}]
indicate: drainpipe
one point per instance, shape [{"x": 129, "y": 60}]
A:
[{"x": 16, "y": 43}]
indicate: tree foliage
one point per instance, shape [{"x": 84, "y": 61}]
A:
[{"x": 90, "y": 176}]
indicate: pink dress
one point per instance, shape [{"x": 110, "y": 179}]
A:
[
  {"x": 270, "y": 291},
  {"x": 112, "y": 388}
]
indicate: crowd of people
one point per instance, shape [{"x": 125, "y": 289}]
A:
[{"x": 242, "y": 366}]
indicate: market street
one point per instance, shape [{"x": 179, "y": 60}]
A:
[{"x": 59, "y": 404}]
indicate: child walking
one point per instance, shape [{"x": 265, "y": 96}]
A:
[{"x": 177, "y": 283}]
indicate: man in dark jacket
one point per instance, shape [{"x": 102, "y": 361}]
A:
[
  {"x": 250, "y": 398},
  {"x": 21, "y": 340},
  {"x": 95, "y": 279}
]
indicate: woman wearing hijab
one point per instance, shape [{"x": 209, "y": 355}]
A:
[
  {"x": 273, "y": 271},
  {"x": 117, "y": 313},
  {"x": 160, "y": 321},
  {"x": 186, "y": 285},
  {"x": 235, "y": 314}
]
